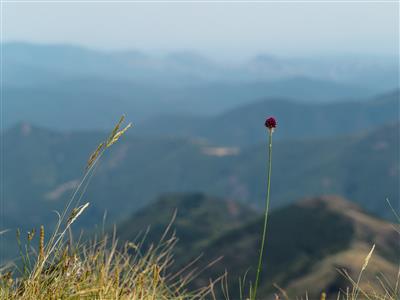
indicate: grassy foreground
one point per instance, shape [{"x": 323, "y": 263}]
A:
[
  {"x": 101, "y": 271},
  {"x": 58, "y": 268}
]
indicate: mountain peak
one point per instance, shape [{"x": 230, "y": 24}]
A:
[
  {"x": 365, "y": 225},
  {"x": 332, "y": 203}
]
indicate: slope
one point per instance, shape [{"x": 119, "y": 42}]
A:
[{"x": 307, "y": 242}]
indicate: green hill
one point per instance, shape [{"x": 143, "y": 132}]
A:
[{"x": 307, "y": 242}]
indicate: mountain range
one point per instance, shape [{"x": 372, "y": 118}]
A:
[
  {"x": 57, "y": 62},
  {"x": 93, "y": 88},
  {"x": 242, "y": 125}
]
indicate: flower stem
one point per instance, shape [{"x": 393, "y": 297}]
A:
[{"x": 264, "y": 234}]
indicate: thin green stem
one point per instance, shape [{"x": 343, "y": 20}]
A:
[{"x": 264, "y": 235}]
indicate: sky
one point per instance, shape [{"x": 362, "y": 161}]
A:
[{"x": 221, "y": 30}]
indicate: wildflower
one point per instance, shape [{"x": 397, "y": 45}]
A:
[{"x": 270, "y": 123}]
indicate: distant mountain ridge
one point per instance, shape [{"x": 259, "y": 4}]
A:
[
  {"x": 88, "y": 99},
  {"x": 307, "y": 242},
  {"x": 243, "y": 125},
  {"x": 184, "y": 66},
  {"x": 84, "y": 85}
]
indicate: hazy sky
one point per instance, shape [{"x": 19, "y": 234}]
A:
[{"x": 230, "y": 30}]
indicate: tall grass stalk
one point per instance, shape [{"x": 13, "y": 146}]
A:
[
  {"x": 264, "y": 234},
  {"x": 58, "y": 234}
]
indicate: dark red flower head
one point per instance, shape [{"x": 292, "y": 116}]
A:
[{"x": 270, "y": 123}]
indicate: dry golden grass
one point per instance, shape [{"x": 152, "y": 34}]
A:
[{"x": 102, "y": 270}]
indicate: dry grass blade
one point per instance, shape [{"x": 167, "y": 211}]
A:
[
  {"x": 94, "y": 155},
  {"x": 117, "y": 135},
  {"x": 366, "y": 261},
  {"x": 116, "y": 128},
  {"x": 76, "y": 212},
  {"x": 356, "y": 285},
  {"x": 112, "y": 139}
]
